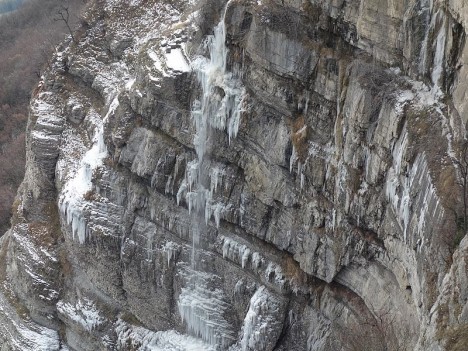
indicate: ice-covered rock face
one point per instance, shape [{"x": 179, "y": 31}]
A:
[{"x": 245, "y": 175}]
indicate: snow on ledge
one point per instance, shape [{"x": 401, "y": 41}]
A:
[
  {"x": 176, "y": 60},
  {"x": 84, "y": 313},
  {"x": 142, "y": 339}
]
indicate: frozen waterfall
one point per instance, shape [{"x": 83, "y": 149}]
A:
[{"x": 219, "y": 108}]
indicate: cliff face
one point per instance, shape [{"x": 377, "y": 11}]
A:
[{"x": 249, "y": 175}]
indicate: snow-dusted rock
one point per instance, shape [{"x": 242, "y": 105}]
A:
[{"x": 244, "y": 175}]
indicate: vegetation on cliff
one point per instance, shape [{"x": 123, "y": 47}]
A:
[{"x": 28, "y": 37}]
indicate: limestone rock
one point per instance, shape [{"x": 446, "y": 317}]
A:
[{"x": 245, "y": 175}]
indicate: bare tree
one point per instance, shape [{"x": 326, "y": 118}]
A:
[{"x": 63, "y": 14}]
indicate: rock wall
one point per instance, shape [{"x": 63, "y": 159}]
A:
[{"x": 245, "y": 175}]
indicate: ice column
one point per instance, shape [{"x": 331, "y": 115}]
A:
[
  {"x": 201, "y": 306},
  {"x": 203, "y": 309},
  {"x": 219, "y": 107}
]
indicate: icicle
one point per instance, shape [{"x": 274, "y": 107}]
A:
[
  {"x": 72, "y": 201},
  {"x": 216, "y": 176},
  {"x": 245, "y": 257},
  {"x": 292, "y": 159},
  {"x": 306, "y": 107},
  {"x": 260, "y": 320},
  {"x": 171, "y": 249},
  {"x": 222, "y": 93},
  {"x": 333, "y": 219},
  {"x": 182, "y": 189},
  {"x": 217, "y": 213},
  {"x": 192, "y": 174},
  {"x": 256, "y": 260},
  {"x": 168, "y": 188},
  {"x": 208, "y": 211},
  {"x": 438, "y": 69},
  {"x": 219, "y": 107},
  {"x": 202, "y": 309}
]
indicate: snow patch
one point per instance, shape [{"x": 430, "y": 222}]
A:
[
  {"x": 176, "y": 60},
  {"x": 26, "y": 336},
  {"x": 72, "y": 201},
  {"x": 141, "y": 339},
  {"x": 83, "y": 312}
]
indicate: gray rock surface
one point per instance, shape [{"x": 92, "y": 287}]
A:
[{"x": 245, "y": 175}]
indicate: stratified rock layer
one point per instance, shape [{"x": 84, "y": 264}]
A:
[{"x": 245, "y": 175}]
